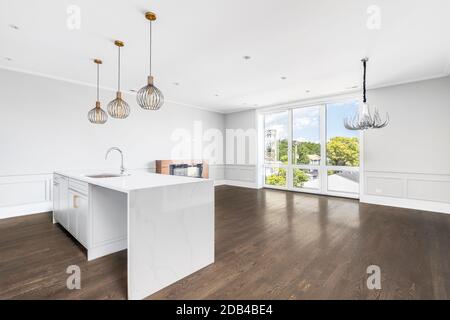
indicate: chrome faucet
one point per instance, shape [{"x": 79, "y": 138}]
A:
[{"x": 122, "y": 169}]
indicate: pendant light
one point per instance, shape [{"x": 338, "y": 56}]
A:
[
  {"x": 118, "y": 108},
  {"x": 97, "y": 115},
  {"x": 364, "y": 119},
  {"x": 150, "y": 97}
]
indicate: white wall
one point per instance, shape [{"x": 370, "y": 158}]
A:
[
  {"x": 408, "y": 163},
  {"x": 241, "y": 168},
  {"x": 44, "y": 128}
]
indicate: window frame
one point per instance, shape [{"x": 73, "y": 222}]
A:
[{"x": 323, "y": 167}]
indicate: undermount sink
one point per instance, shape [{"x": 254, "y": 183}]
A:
[{"x": 106, "y": 175}]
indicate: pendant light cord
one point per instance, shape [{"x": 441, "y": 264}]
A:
[
  {"x": 150, "y": 48},
  {"x": 118, "y": 80},
  {"x": 98, "y": 82},
  {"x": 364, "y": 81}
]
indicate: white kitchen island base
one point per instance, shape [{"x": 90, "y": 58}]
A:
[
  {"x": 171, "y": 235},
  {"x": 165, "y": 222}
]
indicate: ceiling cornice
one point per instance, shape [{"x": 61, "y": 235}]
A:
[
  {"x": 86, "y": 84},
  {"x": 263, "y": 108}
]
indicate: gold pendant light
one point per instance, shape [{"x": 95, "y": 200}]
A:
[
  {"x": 150, "y": 97},
  {"x": 118, "y": 108},
  {"x": 97, "y": 115}
]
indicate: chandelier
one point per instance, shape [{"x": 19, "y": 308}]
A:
[
  {"x": 364, "y": 119},
  {"x": 150, "y": 97},
  {"x": 98, "y": 115},
  {"x": 119, "y": 108}
]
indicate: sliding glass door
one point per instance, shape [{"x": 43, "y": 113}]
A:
[{"x": 308, "y": 149}]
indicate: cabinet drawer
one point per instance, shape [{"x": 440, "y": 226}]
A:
[{"x": 79, "y": 186}]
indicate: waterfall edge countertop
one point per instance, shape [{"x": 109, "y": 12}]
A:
[
  {"x": 127, "y": 183},
  {"x": 166, "y": 223}
]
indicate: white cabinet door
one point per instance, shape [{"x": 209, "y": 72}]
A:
[
  {"x": 82, "y": 219},
  {"x": 56, "y": 202},
  {"x": 78, "y": 216},
  {"x": 71, "y": 213},
  {"x": 63, "y": 203},
  {"x": 60, "y": 198}
]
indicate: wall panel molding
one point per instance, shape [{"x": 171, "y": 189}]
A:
[
  {"x": 242, "y": 173},
  {"x": 25, "y": 194},
  {"x": 428, "y": 192}
]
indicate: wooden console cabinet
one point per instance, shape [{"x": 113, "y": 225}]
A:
[{"x": 163, "y": 166}]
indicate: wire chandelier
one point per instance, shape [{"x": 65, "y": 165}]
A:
[
  {"x": 118, "y": 108},
  {"x": 150, "y": 97},
  {"x": 364, "y": 119},
  {"x": 97, "y": 115}
]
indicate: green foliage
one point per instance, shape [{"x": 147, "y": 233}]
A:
[
  {"x": 342, "y": 151},
  {"x": 283, "y": 151},
  {"x": 277, "y": 179},
  {"x": 300, "y": 178},
  {"x": 304, "y": 149}
]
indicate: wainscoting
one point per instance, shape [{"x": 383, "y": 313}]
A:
[
  {"x": 25, "y": 194},
  {"x": 29, "y": 194},
  {"x": 408, "y": 190},
  {"x": 241, "y": 176}
]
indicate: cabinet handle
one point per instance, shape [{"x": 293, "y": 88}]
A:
[{"x": 75, "y": 202}]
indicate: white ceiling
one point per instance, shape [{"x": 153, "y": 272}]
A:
[{"x": 317, "y": 45}]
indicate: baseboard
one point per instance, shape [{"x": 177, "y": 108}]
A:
[
  {"x": 219, "y": 183},
  {"x": 107, "y": 249},
  {"x": 243, "y": 184},
  {"x": 407, "y": 203},
  {"x": 24, "y": 210}
]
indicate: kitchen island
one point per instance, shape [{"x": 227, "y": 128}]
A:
[{"x": 165, "y": 222}]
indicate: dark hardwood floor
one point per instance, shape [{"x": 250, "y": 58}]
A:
[{"x": 269, "y": 245}]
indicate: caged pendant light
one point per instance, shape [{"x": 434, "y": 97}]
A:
[
  {"x": 364, "y": 120},
  {"x": 97, "y": 115},
  {"x": 150, "y": 97},
  {"x": 118, "y": 108}
]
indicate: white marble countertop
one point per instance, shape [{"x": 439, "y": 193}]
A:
[{"x": 134, "y": 181}]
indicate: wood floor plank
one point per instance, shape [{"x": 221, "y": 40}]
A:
[{"x": 269, "y": 245}]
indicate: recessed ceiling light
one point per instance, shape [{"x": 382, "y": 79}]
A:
[
  {"x": 283, "y": 78},
  {"x": 216, "y": 95},
  {"x": 13, "y": 26},
  {"x": 308, "y": 91},
  {"x": 8, "y": 59},
  {"x": 247, "y": 57},
  {"x": 176, "y": 83}
]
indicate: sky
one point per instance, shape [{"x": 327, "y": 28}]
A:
[{"x": 306, "y": 122}]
